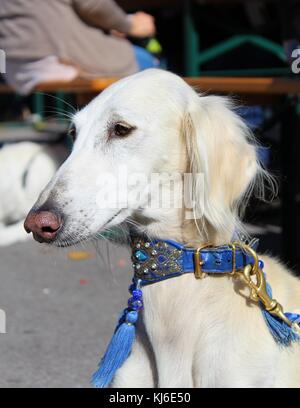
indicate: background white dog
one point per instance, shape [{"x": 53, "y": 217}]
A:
[{"x": 25, "y": 169}]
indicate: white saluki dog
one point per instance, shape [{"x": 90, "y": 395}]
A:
[
  {"x": 193, "y": 333},
  {"x": 25, "y": 169}
]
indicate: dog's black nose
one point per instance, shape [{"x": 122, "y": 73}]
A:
[{"x": 44, "y": 225}]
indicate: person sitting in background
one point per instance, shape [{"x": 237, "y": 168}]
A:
[{"x": 62, "y": 39}]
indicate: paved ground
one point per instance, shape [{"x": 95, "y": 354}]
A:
[{"x": 60, "y": 313}]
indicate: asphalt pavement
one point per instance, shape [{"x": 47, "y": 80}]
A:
[{"x": 61, "y": 308}]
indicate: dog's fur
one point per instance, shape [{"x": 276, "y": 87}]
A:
[
  {"x": 25, "y": 169},
  {"x": 193, "y": 333}
]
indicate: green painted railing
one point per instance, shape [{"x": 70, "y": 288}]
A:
[{"x": 195, "y": 57}]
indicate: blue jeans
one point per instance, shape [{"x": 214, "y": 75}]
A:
[{"x": 144, "y": 59}]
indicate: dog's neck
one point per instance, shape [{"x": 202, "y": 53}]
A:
[
  {"x": 173, "y": 224},
  {"x": 177, "y": 223}
]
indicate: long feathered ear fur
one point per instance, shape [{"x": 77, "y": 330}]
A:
[{"x": 223, "y": 150}]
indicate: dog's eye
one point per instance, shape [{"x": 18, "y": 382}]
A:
[
  {"x": 72, "y": 133},
  {"x": 121, "y": 129}
]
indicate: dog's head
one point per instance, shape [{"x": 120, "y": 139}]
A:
[{"x": 149, "y": 123}]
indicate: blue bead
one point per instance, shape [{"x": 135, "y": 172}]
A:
[
  {"x": 135, "y": 304},
  {"x": 137, "y": 293},
  {"x": 261, "y": 264},
  {"x": 141, "y": 256},
  {"x": 131, "y": 317},
  {"x": 132, "y": 287}
]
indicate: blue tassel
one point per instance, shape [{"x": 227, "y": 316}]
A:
[
  {"x": 121, "y": 343},
  {"x": 281, "y": 332}
]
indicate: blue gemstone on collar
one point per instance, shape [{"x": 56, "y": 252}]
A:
[
  {"x": 141, "y": 256},
  {"x": 161, "y": 258}
]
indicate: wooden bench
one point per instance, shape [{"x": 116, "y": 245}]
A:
[
  {"x": 252, "y": 89},
  {"x": 238, "y": 85}
]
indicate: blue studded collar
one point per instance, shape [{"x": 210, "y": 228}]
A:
[{"x": 157, "y": 260}]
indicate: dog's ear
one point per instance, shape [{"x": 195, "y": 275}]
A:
[{"x": 220, "y": 150}]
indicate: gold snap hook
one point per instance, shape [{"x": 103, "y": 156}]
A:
[{"x": 259, "y": 289}]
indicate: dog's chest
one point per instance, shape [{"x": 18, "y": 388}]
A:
[{"x": 207, "y": 324}]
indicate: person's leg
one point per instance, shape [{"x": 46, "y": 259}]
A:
[
  {"x": 145, "y": 59},
  {"x": 23, "y": 76}
]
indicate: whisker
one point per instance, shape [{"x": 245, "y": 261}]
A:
[
  {"x": 60, "y": 113},
  {"x": 59, "y": 99}
]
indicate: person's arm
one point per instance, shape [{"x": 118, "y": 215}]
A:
[{"x": 104, "y": 14}]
